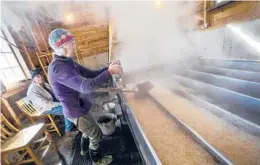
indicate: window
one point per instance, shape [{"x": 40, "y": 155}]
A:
[
  {"x": 219, "y": 3},
  {"x": 10, "y": 70}
]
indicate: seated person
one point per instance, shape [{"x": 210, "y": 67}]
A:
[{"x": 43, "y": 99}]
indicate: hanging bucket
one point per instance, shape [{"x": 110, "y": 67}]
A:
[{"x": 107, "y": 123}]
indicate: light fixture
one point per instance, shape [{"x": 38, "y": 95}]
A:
[
  {"x": 158, "y": 3},
  {"x": 69, "y": 17},
  {"x": 253, "y": 43}
]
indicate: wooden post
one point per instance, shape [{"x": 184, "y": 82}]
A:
[
  {"x": 28, "y": 25},
  {"x": 40, "y": 61},
  {"x": 110, "y": 42},
  {"x": 26, "y": 52},
  {"x": 45, "y": 44},
  {"x": 79, "y": 58},
  {"x": 205, "y": 16}
]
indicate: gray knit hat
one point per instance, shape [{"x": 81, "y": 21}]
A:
[{"x": 59, "y": 37}]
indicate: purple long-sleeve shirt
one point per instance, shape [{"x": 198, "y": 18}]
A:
[{"x": 70, "y": 80}]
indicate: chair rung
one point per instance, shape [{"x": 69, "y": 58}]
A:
[
  {"x": 45, "y": 151},
  {"x": 26, "y": 161},
  {"x": 48, "y": 124},
  {"x": 25, "y": 153},
  {"x": 52, "y": 130},
  {"x": 42, "y": 142},
  {"x": 3, "y": 136},
  {"x": 39, "y": 140},
  {"x": 42, "y": 148}
]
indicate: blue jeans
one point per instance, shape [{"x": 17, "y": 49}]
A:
[{"x": 58, "y": 111}]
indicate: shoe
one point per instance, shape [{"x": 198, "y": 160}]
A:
[
  {"x": 95, "y": 155},
  {"x": 104, "y": 161},
  {"x": 84, "y": 143},
  {"x": 83, "y": 153}
]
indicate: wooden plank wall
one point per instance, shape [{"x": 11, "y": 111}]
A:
[
  {"x": 235, "y": 12},
  {"x": 91, "y": 39},
  {"x": 240, "y": 11}
]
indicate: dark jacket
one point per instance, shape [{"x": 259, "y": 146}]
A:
[{"x": 70, "y": 80}]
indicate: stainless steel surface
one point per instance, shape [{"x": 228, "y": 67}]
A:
[
  {"x": 211, "y": 149},
  {"x": 146, "y": 150}
]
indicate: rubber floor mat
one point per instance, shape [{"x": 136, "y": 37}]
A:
[{"x": 111, "y": 145}]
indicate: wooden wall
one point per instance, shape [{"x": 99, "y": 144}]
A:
[
  {"x": 27, "y": 46},
  {"x": 91, "y": 39},
  {"x": 91, "y": 34},
  {"x": 239, "y": 11}
]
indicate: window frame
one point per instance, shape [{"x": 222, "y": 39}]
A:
[{"x": 18, "y": 58}]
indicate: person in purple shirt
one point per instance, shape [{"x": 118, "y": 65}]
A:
[{"x": 70, "y": 81}]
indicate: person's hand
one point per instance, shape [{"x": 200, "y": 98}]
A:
[
  {"x": 114, "y": 69},
  {"x": 116, "y": 62}
]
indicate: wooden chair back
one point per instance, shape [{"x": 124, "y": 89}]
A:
[
  {"x": 8, "y": 130},
  {"x": 27, "y": 108}
]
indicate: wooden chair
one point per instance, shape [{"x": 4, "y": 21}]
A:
[
  {"x": 24, "y": 143},
  {"x": 32, "y": 113}
]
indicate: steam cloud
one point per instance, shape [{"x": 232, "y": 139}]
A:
[
  {"x": 147, "y": 35},
  {"x": 150, "y": 36}
]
